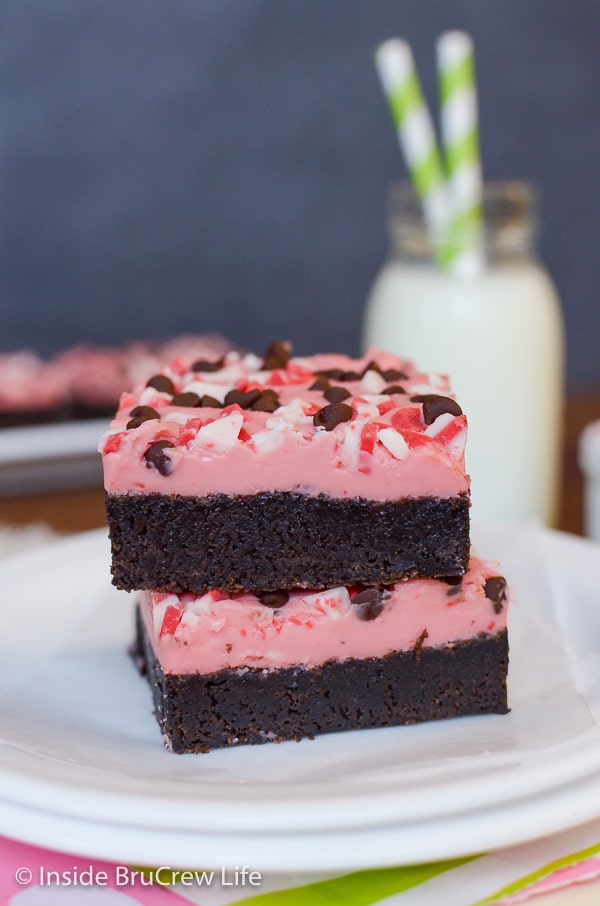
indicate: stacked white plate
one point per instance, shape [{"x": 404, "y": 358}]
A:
[{"x": 83, "y": 769}]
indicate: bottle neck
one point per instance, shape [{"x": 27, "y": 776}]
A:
[{"x": 507, "y": 233}]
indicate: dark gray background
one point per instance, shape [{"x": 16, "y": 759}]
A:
[{"x": 222, "y": 164}]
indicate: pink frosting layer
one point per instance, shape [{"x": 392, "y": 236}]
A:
[
  {"x": 203, "y": 634},
  {"x": 384, "y": 452}
]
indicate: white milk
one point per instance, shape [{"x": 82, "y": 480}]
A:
[{"x": 498, "y": 336}]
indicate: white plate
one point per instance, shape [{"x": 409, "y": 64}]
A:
[
  {"x": 50, "y": 457},
  {"x": 82, "y": 767}
]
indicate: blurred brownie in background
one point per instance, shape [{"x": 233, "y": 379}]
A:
[{"x": 32, "y": 391}]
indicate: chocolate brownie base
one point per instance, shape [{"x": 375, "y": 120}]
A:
[
  {"x": 22, "y": 418},
  {"x": 282, "y": 540},
  {"x": 197, "y": 713},
  {"x": 89, "y": 411}
]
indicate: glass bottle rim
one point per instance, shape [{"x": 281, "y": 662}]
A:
[
  {"x": 509, "y": 198},
  {"x": 508, "y": 226}
]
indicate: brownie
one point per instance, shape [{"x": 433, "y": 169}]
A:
[
  {"x": 286, "y": 500},
  {"x": 25, "y": 417},
  {"x": 197, "y": 713},
  {"x": 282, "y": 540},
  {"x": 32, "y": 391}
]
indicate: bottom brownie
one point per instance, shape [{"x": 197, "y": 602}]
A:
[{"x": 197, "y": 713}]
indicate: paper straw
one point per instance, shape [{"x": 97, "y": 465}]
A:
[
  {"x": 459, "y": 128},
  {"x": 416, "y": 135}
]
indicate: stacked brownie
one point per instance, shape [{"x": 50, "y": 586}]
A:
[
  {"x": 299, "y": 531},
  {"x": 98, "y": 375},
  {"x": 32, "y": 392},
  {"x": 86, "y": 381}
]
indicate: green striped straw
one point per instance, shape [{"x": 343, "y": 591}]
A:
[
  {"x": 416, "y": 135},
  {"x": 459, "y": 128}
]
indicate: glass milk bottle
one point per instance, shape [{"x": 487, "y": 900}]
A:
[{"x": 498, "y": 335}]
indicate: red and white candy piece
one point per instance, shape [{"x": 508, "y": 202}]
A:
[
  {"x": 394, "y": 442},
  {"x": 220, "y": 435},
  {"x": 454, "y": 436},
  {"x": 437, "y": 426},
  {"x": 289, "y": 416},
  {"x": 166, "y": 614}
]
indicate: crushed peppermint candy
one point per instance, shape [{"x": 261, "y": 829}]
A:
[
  {"x": 220, "y": 435},
  {"x": 394, "y": 442},
  {"x": 375, "y": 407}
]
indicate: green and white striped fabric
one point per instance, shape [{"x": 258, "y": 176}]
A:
[{"x": 508, "y": 877}]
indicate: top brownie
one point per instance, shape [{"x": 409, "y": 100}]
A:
[{"x": 243, "y": 460}]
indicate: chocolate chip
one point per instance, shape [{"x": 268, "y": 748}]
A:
[
  {"x": 277, "y": 355},
  {"x": 268, "y": 401},
  {"x": 273, "y": 598},
  {"x": 144, "y": 412},
  {"x": 321, "y": 383},
  {"x": 372, "y": 366},
  {"x": 434, "y": 406},
  {"x": 395, "y": 388},
  {"x": 206, "y": 366},
  {"x": 242, "y": 399},
  {"x": 190, "y": 400},
  {"x": 419, "y": 645},
  {"x": 156, "y": 457},
  {"x": 334, "y": 374},
  {"x": 495, "y": 591},
  {"x": 451, "y": 580},
  {"x": 456, "y": 585},
  {"x": 368, "y": 604},
  {"x": 393, "y": 374},
  {"x": 350, "y": 376},
  {"x": 336, "y": 394},
  {"x": 330, "y": 416},
  {"x": 209, "y": 402},
  {"x": 162, "y": 383},
  {"x": 141, "y": 414}
]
